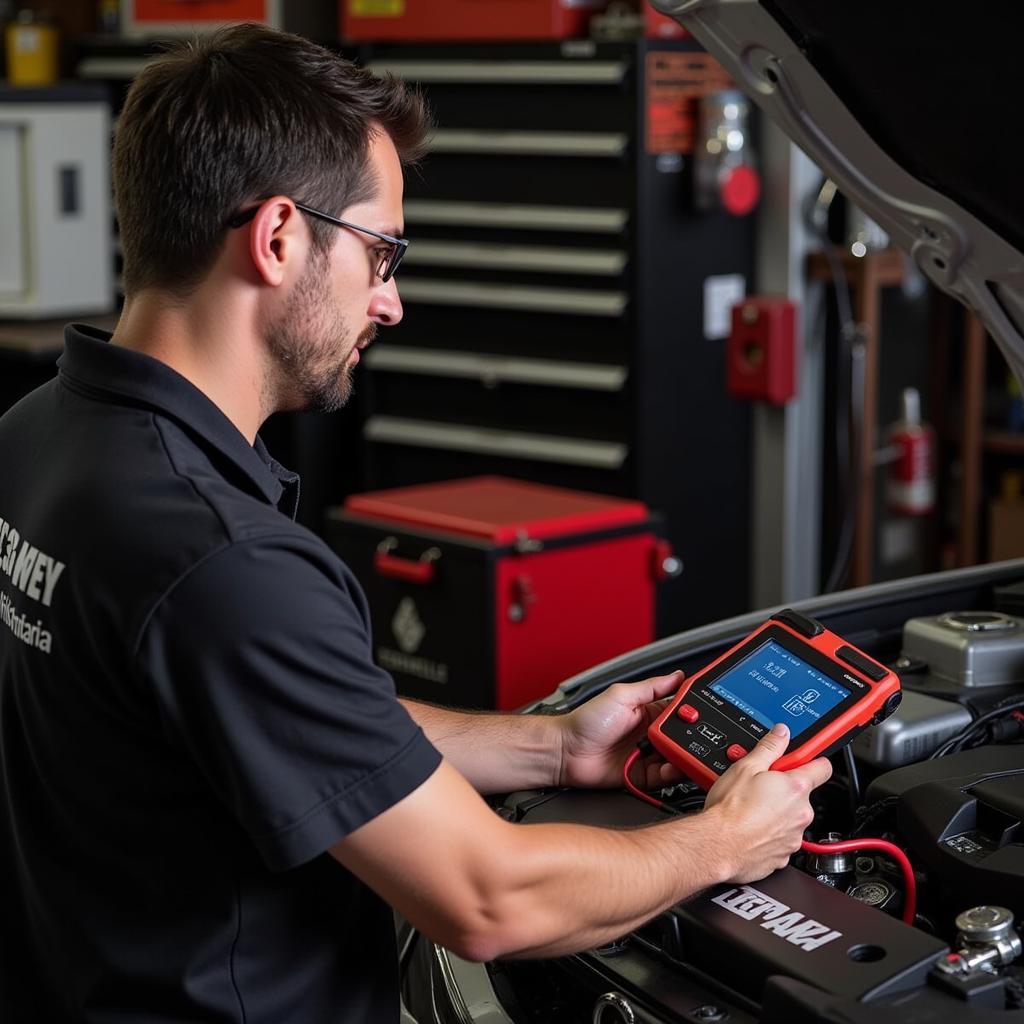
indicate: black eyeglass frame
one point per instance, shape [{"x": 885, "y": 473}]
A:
[{"x": 389, "y": 263}]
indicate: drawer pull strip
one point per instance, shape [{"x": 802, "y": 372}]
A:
[
  {"x": 496, "y": 369},
  {"x": 503, "y": 443},
  {"x": 525, "y": 216},
  {"x": 577, "y": 301},
  {"x": 520, "y": 143},
  {"x": 549, "y": 259},
  {"x": 594, "y": 72}
]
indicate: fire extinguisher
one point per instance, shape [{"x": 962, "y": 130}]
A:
[{"x": 910, "y": 487}]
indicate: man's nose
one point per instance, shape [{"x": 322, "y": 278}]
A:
[{"x": 385, "y": 304}]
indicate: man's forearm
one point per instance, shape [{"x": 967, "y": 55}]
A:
[
  {"x": 572, "y": 887},
  {"x": 495, "y": 752},
  {"x": 487, "y": 888}
]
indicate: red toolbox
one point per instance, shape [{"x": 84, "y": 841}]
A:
[
  {"x": 488, "y": 592},
  {"x": 462, "y": 20},
  {"x": 173, "y": 17}
]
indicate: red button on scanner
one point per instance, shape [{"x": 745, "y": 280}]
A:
[
  {"x": 734, "y": 752},
  {"x": 688, "y": 713}
]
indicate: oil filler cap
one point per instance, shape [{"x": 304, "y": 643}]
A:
[{"x": 985, "y": 924}]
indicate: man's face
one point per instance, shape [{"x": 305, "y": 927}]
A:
[{"x": 334, "y": 309}]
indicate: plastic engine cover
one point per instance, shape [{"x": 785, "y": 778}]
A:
[
  {"x": 788, "y": 924},
  {"x": 962, "y": 818},
  {"x": 791, "y": 924}
]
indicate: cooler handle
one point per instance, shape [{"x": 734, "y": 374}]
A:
[{"x": 421, "y": 571}]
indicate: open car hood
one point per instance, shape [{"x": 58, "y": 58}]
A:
[{"x": 910, "y": 109}]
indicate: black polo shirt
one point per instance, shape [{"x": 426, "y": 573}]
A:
[{"x": 189, "y": 718}]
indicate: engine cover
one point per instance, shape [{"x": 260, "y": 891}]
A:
[
  {"x": 961, "y": 818},
  {"x": 791, "y": 924},
  {"x": 788, "y": 924}
]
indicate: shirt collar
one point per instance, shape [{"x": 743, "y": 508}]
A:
[{"x": 132, "y": 377}]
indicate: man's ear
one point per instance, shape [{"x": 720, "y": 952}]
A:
[{"x": 278, "y": 240}]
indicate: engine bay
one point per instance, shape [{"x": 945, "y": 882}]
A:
[{"x": 822, "y": 940}]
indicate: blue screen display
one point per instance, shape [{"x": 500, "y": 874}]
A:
[{"x": 772, "y": 685}]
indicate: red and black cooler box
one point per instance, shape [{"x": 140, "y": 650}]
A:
[{"x": 488, "y": 592}]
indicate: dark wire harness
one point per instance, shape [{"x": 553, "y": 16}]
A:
[
  {"x": 959, "y": 742},
  {"x": 853, "y": 779}
]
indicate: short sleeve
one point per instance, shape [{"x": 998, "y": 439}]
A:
[{"x": 261, "y": 664}]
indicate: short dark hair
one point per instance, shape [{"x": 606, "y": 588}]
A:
[{"x": 234, "y": 117}]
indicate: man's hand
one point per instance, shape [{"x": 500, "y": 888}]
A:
[
  {"x": 598, "y": 736},
  {"x": 762, "y": 814}
]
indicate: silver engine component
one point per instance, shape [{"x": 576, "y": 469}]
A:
[
  {"x": 987, "y": 940},
  {"x": 968, "y": 649},
  {"x": 876, "y": 893},
  {"x": 832, "y": 869},
  {"x": 916, "y": 728}
]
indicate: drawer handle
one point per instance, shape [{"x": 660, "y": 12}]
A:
[
  {"x": 491, "y": 369},
  {"x": 509, "y": 444},
  {"x": 526, "y": 143},
  {"x": 535, "y": 258},
  {"x": 503, "y": 72},
  {"x": 528, "y": 299},
  {"x": 522, "y": 216},
  {"x": 420, "y": 571}
]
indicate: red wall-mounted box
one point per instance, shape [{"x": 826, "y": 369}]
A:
[
  {"x": 464, "y": 20},
  {"x": 661, "y": 26},
  {"x": 488, "y": 592},
  {"x": 761, "y": 352}
]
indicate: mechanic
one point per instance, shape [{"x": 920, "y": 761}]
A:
[{"x": 212, "y": 794}]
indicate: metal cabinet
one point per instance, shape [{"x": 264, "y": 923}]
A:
[{"x": 554, "y": 297}]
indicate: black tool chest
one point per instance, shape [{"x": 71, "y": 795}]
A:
[{"x": 553, "y": 297}]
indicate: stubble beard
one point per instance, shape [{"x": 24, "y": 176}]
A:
[{"x": 310, "y": 346}]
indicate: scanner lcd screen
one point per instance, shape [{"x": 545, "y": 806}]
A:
[{"x": 771, "y": 684}]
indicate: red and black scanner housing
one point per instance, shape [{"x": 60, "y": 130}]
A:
[{"x": 791, "y": 669}]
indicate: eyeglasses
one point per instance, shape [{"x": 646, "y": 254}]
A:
[{"x": 390, "y": 257}]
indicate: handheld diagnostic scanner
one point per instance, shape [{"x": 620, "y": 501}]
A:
[{"x": 791, "y": 669}]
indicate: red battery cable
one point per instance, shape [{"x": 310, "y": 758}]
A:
[
  {"x": 846, "y": 846},
  {"x": 891, "y": 850}
]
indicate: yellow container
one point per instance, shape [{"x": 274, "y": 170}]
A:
[{"x": 31, "y": 52}]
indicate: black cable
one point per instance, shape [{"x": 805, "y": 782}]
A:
[
  {"x": 849, "y": 430},
  {"x": 816, "y": 218},
  {"x": 844, "y": 469},
  {"x": 690, "y": 803},
  {"x": 853, "y": 778},
  {"x": 956, "y": 743},
  {"x": 850, "y": 401},
  {"x": 867, "y": 816}
]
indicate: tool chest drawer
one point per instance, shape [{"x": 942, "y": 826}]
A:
[
  {"x": 488, "y": 168},
  {"x": 527, "y": 407},
  {"x": 511, "y": 320}
]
